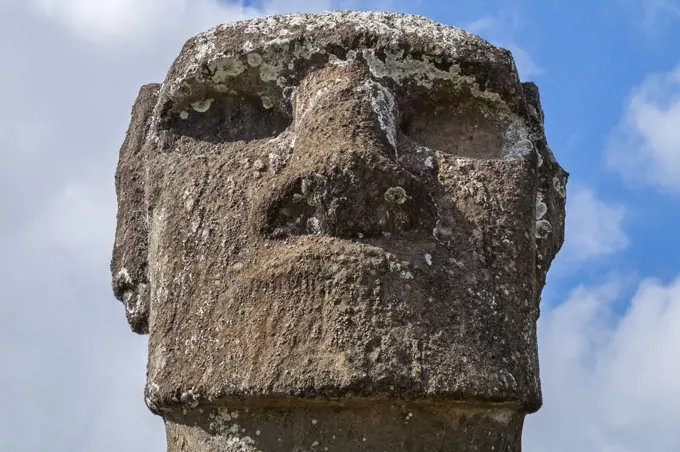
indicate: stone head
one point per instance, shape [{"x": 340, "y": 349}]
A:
[{"x": 342, "y": 206}]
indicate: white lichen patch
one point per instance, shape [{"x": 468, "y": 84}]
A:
[
  {"x": 184, "y": 114},
  {"x": 235, "y": 442},
  {"x": 134, "y": 299},
  {"x": 543, "y": 229},
  {"x": 428, "y": 259},
  {"x": 517, "y": 139},
  {"x": 383, "y": 103},
  {"x": 429, "y": 162},
  {"x": 205, "y": 47},
  {"x": 559, "y": 187},
  {"x": 380, "y": 23},
  {"x": 406, "y": 275},
  {"x": 254, "y": 59},
  {"x": 123, "y": 277},
  {"x": 226, "y": 68},
  {"x": 399, "y": 67},
  {"x": 541, "y": 207},
  {"x": 220, "y": 421},
  {"x": 190, "y": 398},
  {"x": 202, "y": 106},
  {"x": 396, "y": 195},
  {"x": 314, "y": 226},
  {"x": 267, "y": 103},
  {"x": 464, "y": 163},
  {"x": 424, "y": 72}
]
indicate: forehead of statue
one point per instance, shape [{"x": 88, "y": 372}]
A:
[{"x": 418, "y": 59}]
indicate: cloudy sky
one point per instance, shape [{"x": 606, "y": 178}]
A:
[{"x": 71, "y": 372}]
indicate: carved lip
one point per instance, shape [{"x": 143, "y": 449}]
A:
[{"x": 386, "y": 326}]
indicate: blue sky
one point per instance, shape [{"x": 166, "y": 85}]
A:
[{"x": 609, "y": 333}]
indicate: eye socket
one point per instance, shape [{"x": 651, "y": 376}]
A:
[
  {"x": 229, "y": 118},
  {"x": 463, "y": 129}
]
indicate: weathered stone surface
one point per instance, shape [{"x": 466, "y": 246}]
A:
[
  {"x": 341, "y": 217},
  {"x": 372, "y": 428}
]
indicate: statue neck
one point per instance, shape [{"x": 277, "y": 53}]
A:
[{"x": 404, "y": 427}]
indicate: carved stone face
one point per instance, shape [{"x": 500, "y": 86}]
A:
[{"x": 338, "y": 205}]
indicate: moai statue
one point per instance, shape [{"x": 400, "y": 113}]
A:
[{"x": 335, "y": 229}]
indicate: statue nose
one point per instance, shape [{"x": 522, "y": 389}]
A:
[
  {"x": 341, "y": 110},
  {"x": 345, "y": 179}
]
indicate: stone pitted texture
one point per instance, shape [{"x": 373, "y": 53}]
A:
[{"x": 335, "y": 229}]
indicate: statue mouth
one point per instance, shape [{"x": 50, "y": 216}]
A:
[{"x": 333, "y": 318}]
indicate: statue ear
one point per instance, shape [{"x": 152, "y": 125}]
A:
[
  {"x": 129, "y": 263},
  {"x": 550, "y": 190}
]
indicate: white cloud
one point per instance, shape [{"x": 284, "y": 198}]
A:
[
  {"x": 77, "y": 220},
  {"x": 594, "y": 228},
  {"x": 610, "y": 379},
  {"x": 653, "y": 10},
  {"x": 645, "y": 147},
  {"x": 501, "y": 30},
  {"x": 131, "y": 19}
]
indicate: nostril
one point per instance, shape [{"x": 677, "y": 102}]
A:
[
  {"x": 347, "y": 203},
  {"x": 396, "y": 195},
  {"x": 295, "y": 210}
]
